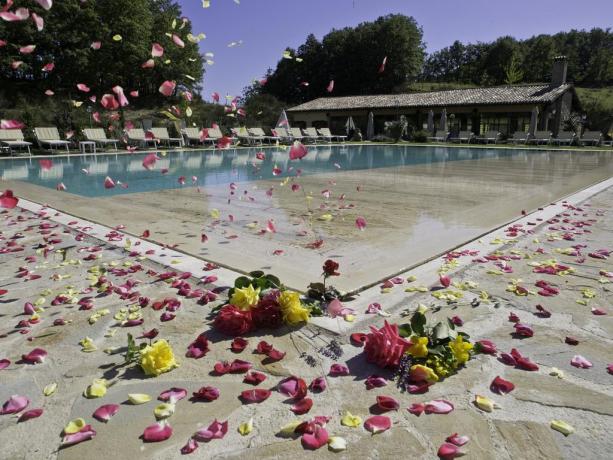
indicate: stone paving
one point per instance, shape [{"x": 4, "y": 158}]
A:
[{"x": 42, "y": 261}]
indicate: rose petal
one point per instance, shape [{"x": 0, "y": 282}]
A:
[
  {"x": 501, "y": 386},
  {"x": 438, "y": 406},
  {"x": 157, "y": 432},
  {"x": 105, "y": 412},
  {"x": 387, "y": 403},
  {"x": 302, "y": 406},
  {"x": 378, "y": 423}
]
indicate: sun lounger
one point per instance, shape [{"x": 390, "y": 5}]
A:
[
  {"x": 283, "y": 134},
  {"x": 326, "y": 133},
  {"x": 463, "y": 136},
  {"x": 49, "y": 138},
  {"x": 519, "y": 137},
  {"x": 310, "y": 134},
  {"x": 138, "y": 136},
  {"x": 439, "y": 136},
  {"x": 242, "y": 135},
  {"x": 540, "y": 137},
  {"x": 98, "y": 136},
  {"x": 191, "y": 135},
  {"x": 296, "y": 134},
  {"x": 489, "y": 136},
  {"x": 161, "y": 134},
  {"x": 258, "y": 133},
  {"x": 564, "y": 137},
  {"x": 590, "y": 138},
  {"x": 13, "y": 138},
  {"x": 213, "y": 135}
]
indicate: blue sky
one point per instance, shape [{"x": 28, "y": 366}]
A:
[{"x": 266, "y": 27}]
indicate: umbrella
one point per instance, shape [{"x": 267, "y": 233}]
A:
[
  {"x": 370, "y": 128},
  {"x": 431, "y": 121},
  {"x": 443, "y": 123},
  {"x": 283, "y": 122},
  {"x": 533, "y": 120},
  {"x": 350, "y": 125}
]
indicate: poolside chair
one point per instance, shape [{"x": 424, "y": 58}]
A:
[
  {"x": 439, "y": 136},
  {"x": 49, "y": 138},
  {"x": 296, "y": 134},
  {"x": 463, "y": 136},
  {"x": 564, "y": 137},
  {"x": 191, "y": 135},
  {"x": 161, "y": 134},
  {"x": 98, "y": 136},
  {"x": 489, "y": 136},
  {"x": 283, "y": 134},
  {"x": 326, "y": 133},
  {"x": 213, "y": 135},
  {"x": 590, "y": 138},
  {"x": 258, "y": 133},
  {"x": 540, "y": 137},
  {"x": 138, "y": 136},
  {"x": 519, "y": 137},
  {"x": 310, "y": 134},
  {"x": 242, "y": 135},
  {"x": 13, "y": 138}
]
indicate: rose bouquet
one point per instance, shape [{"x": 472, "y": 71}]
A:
[
  {"x": 420, "y": 354},
  {"x": 259, "y": 301}
]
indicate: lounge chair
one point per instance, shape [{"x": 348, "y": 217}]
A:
[
  {"x": 540, "y": 137},
  {"x": 312, "y": 135},
  {"x": 138, "y": 136},
  {"x": 259, "y": 134},
  {"x": 13, "y": 138},
  {"x": 591, "y": 138},
  {"x": 296, "y": 134},
  {"x": 242, "y": 135},
  {"x": 489, "y": 136},
  {"x": 191, "y": 135},
  {"x": 519, "y": 137},
  {"x": 439, "y": 136},
  {"x": 213, "y": 135},
  {"x": 98, "y": 136},
  {"x": 564, "y": 137},
  {"x": 463, "y": 136},
  {"x": 49, "y": 138},
  {"x": 326, "y": 133},
  {"x": 161, "y": 133},
  {"x": 283, "y": 134}
]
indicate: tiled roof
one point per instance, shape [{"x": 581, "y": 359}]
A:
[{"x": 524, "y": 94}]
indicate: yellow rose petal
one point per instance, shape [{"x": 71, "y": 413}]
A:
[
  {"x": 486, "y": 404},
  {"x": 74, "y": 426},
  {"x": 288, "y": 430},
  {"x": 97, "y": 389},
  {"x": 246, "y": 427},
  {"x": 562, "y": 427},
  {"x": 50, "y": 389},
  {"x": 139, "y": 398},
  {"x": 351, "y": 420},
  {"x": 337, "y": 444},
  {"x": 164, "y": 410}
]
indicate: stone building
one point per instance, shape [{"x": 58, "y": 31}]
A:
[{"x": 503, "y": 108}]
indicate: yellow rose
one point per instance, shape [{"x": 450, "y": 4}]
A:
[
  {"x": 157, "y": 358},
  {"x": 292, "y": 309},
  {"x": 460, "y": 349},
  {"x": 420, "y": 373},
  {"x": 419, "y": 349},
  {"x": 245, "y": 298}
]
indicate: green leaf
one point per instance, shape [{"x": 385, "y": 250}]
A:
[
  {"x": 405, "y": 330},
  {"x": 418, "y": 322},
  {"x": 273, "y": 280},
  {"x": 256, "y": 274},
  {"x": 242, "y": 282}
]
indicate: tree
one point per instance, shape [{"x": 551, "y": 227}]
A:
[
  {"x": 71, "y": 26},
  {"x": 513, "y": 72},
  {"x": 352, "y": 57}
]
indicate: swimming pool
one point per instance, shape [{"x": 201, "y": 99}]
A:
[
  {"x": 85, "y": 175},
  {"x": 417, "y": 201}
]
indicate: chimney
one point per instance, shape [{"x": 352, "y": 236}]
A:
[{"x": 558, "y": 71}]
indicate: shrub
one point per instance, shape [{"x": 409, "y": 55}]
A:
[{"x": 420, "y": 136}]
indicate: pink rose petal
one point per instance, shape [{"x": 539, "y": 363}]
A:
[
  {"x": 105, "y": 412},
  {"x": 157, "y": 432},
  {"x": 14, "y": 405},
  {"x": 378, "y": 423}
]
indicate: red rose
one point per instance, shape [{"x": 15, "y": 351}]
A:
[
  {"x": 233, "y": 321},
  {"x": 267, "y": 314},
  {"x": 330, "y": 268}
]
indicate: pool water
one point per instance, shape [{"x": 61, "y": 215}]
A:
[
  {"x": 85, "y": 175},
  {"x": 417, "y": 201}
]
